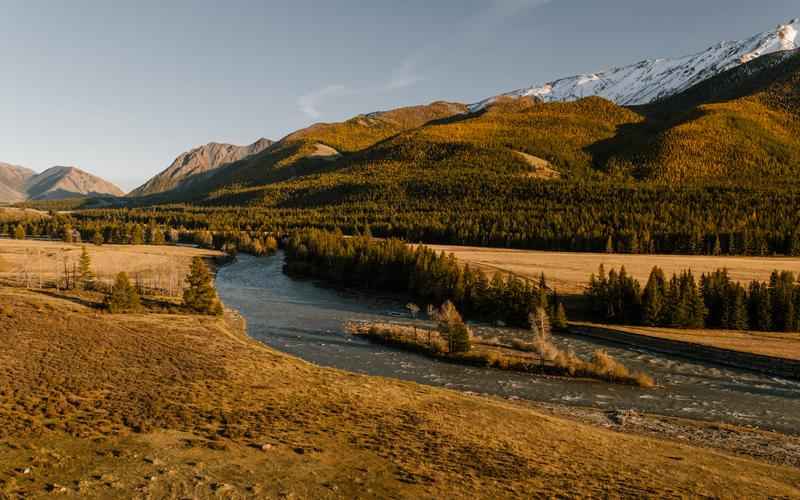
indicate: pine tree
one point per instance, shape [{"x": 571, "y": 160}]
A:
[
  {"x": 98, "y": 239},
  {"x": 717, "y": 247},
  {"x": 759, "y": 307},
  {"x": 123, "y": 297},
  {"x": 200, "y": 296},
  {"x": 19, "y": 232},
  {"x": 739, "y": 320},
  {"x": 610, "y": 245},
  {"x": 67, "y": 235},
  {"x": 157, "y": 237},
  {"x": 137, "y": 235},
  {"x": 653, "y": 298},
  {"x": 794, "y": 245},
  {"x": 560, "y": 320},
  {"x": 85, "y": 274}
]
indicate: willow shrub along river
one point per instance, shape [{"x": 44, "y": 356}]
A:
[{"x": 305, "y": 319}]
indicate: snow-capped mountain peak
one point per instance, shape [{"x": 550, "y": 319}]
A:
[{"x": 653, "y": 79}]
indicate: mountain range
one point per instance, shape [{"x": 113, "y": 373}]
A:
[
  {"x": 727, "y": 114},
  {"x": 56, "y": 183},
  {"x": 653, "y": 79},
  {"x": 197, "y": 164}
]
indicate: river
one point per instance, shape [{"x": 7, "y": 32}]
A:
[{"x": 305, "y": 319}]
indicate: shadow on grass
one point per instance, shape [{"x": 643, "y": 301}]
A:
[{"x": 96, "y": 301}]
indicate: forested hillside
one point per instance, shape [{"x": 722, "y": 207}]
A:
[{"x": 742, "y": 126}]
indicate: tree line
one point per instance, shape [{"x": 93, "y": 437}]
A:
[
  {"x": 486, "y": 209},
  {"x": 715, "y": 302},
  {"x": 430, "y": 277},
  {"x": 114, "y": 230}
]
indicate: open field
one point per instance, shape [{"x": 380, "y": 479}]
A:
[
  {"x": 569, "y": 272},
  {"x": 32, "y": 262},
  {"x": 775, "y": 344},
  {"x": 173, "y": 406}
]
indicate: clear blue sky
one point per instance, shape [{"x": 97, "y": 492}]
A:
[{"x": 120, "y": 88}]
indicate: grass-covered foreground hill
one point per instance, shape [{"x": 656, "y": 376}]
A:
[{"x": 155, "y": 405}]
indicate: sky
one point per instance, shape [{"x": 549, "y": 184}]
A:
[{"x": 121, "y": 88}]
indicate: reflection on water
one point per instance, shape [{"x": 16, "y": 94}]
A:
[{"x": 304, "y": 319}]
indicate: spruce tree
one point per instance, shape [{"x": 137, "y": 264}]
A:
[
  {"x": 157, "y": 237},
  {"x": 123, "y": 297},
  {"x": 760, "y": 307},
  {"x": 739, "y": 320},
  {"x": 560, "y": 320},
  {"x": 653, "y": 298},
  {"x": 85, "y": 274},
  {"x": 610, "y": 245},
  {"x": 717, "y": 250},
  {"x": 67, "y": 235},
  {"x": 137, "y": 235},
  {"x": 200, "y": 295}
]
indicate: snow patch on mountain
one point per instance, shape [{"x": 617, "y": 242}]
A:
[{"x": 650, "y": 80}]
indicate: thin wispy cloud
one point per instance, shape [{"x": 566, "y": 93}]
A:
[
  {"x": 475, "y": 30},
  {"x": 309, "y": 103},
  {"x": 403, "y": 76}
]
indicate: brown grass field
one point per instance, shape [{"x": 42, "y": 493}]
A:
[
  {"x": 775, "y": 344},
  {"x": 569, "y": 272},
  {"x": 28, "y": 261},
  {"x": 174, "y": 406}
]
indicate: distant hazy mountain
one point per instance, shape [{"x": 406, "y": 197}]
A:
[
  {"x": 12, "y": 182},
  {"x": 56, "y": 183},
  {"x": 653, "y": 79},
  {"x": 199, "y": 163}
]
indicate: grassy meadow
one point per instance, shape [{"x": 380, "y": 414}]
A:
[
  {"x": 34, "y": 263},
  {"x": 158, "y": 405}
]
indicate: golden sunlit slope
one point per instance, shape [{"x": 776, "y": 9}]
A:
[
  {"x": 741, "y": 126},
  {"x": 315, "y": 148},
  {"x": 512, "y": 139}
]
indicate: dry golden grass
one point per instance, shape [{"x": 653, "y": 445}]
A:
[
  {"x": 181, "y": 406},
  {"x": 46, "y": 259},
  {"x": 775, "y": 344},
  {"x": 569, "y": 272}
]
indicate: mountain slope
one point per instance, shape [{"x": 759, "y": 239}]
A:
[
  {"x": 318, "y": 148},
  {"x": 743, "y": 126},
  {"x": 736, "y": 121},
  {"x": 12, "y": 182},
  {"x": 650, "y": 80},
  {"x": 200, "y": 162},
  {"x": 514, "y": 140},
  {"x": 740, "y": 126},
  {"x": 58, "y": 183}
]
